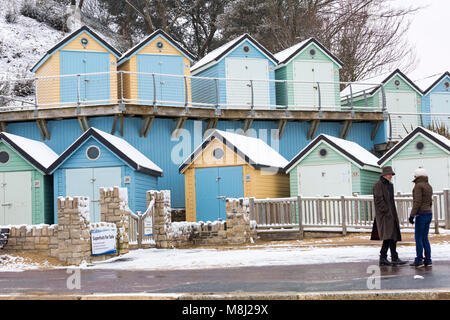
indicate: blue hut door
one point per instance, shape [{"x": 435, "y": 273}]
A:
[
  {"x": 85, "y": 87},
  {"x": 440, "y": 103},
  {"x": 170, "y": 90},
  {"x": 212, "y": 187},
  {"x": 87, "y": 181}
]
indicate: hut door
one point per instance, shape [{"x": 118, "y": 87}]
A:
[
  {"x": 307, "y": 94},
  {"x": 15, "y": 198},
  {"x": 169, "y": 89},
  {"x": 239, "y": 91},
  {"x": 440, "y": 103},
  {"x": 325, "y": 180},
  {"x": 85, "y": 87},
  {"x": 399, "y": 101},
  {"x": 87, "y": 181},
  {"x": 212, "y": 187}
]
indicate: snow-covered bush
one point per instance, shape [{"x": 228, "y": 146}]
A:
[
  {"x": 48, "y": 12},
  {"x": 4, "y": 91},
  {"x": 23, "y": 88}
]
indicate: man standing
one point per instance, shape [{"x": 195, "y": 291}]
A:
[{"x": 386, "y": 226}]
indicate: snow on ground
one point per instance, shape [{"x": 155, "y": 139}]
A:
[
  {"x": 176, "y": 259},
  {"x": 11, "y": 263}
]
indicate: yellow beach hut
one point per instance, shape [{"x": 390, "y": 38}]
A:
[
  {"x": 79, "y": 69},
  {"x": 230, "y": 165}
]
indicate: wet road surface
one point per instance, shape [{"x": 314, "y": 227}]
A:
[{"x": 293, "y": 278}]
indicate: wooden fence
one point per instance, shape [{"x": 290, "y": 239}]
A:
[{"x": 338, "y": 212}]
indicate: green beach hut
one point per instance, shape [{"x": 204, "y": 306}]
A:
[{"x": 26, "y": 189}]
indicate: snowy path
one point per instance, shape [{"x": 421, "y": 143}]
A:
[{"x": 173, "y": 259}]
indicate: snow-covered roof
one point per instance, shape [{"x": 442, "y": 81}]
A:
[
  {"x": 35, "y": 152},
  {"x": 152, "y": 36},
  {"x": 220, "y": 52},
  {"x": 288, "y": 54},
  {"x": 428, "y": 83},
  {"x": 440, "y": 140},
  {"x": 253, "y": 150},
  {"x": 353, "y": 151},
  {"x": 372, "y": 84},
  {"x": 74, "y": 34},
  {"x": 119, "y": 146}
]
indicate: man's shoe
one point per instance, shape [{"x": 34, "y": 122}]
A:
[
  {"x": 417, "y": 264},
  {"x": 397, "y": 261},
  {"x": 427, "y": 263},
  {"x": 384, "y": 262}
]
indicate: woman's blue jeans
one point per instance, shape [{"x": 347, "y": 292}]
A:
[{"x": 422, "y": 226}]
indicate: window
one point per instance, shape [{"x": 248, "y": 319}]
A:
[
  {"x": 218, "y": 153},
  {"x": 312, "y": 52},
  {"x": 420, "y": 145},
  {"x": 93, "y": 153},
  {"x": 246, "y": 49},
  {"x": 4, "y": 157},
  {"x": 84, "y": 42},
  {"x": 397, "y": 83},
  {"x": 323, "y": 152},
  {"x": 159, "y": 45}
]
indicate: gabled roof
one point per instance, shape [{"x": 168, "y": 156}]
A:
[
  {"x": 288, "y": 54},
  {"x": 217, "y": 54},
  {"x": 71, "y": 36},
  {"x": 254, "y": 151},
  {"x": 427, "y": 87},
  {"x": 152, "y": 36},
  {"x": 351, "y": 150},
  {"x": 35, "y": 152},
  {"x": 118, "y": 146},
  {"x": 441, "y": 141},
  {"x": 371, "y": 86}
]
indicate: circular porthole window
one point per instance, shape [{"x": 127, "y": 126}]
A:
[
  {"x": 420, "y": 145},
  {"x": 218, "y": 153},
  {"x": 446, "y": 84},
  {"x": 246, "y": 49},
  {"x": 159, "y": 45},
  {"x": 93, "y": 153},
  {"x": 397, "y": 83},
  {"x": 323, "y": 152},
  {"x": 4, "y": 157},
  {"x": 312, "y": 52},
  {"x": 84, "y": 41}
]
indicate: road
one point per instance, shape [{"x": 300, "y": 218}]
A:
[{"x": 292, "y": 278}]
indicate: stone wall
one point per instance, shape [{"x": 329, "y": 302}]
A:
[
  {"x": 70, "y": 240},
  {"x": 238, "y": 228}
]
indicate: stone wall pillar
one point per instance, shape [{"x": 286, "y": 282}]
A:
[
  {"x": 238, "y": 230},
  {"x": 73, "y": 230},
  {"x": 114, "y": 209},
  {"x": 161, "y": 217}
]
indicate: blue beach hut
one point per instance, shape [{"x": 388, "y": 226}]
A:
[
  {"x": 98, "y": 159},
  {"x": 436, "y": 100},
  {"x": 244, "y": 68}
]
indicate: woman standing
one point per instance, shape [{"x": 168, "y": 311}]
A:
[{"x": 422, "y": 201}]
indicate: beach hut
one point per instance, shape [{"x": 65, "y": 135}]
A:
[
  {"x": 420, "y": 148},
  {"x": 329, "y": 166},
  {"x": 157, "y": 70},
  {"x": 26, "y": 193},
  {"x": 98, "y": 159},
  {"x": 403, "y": 101},
  {"x": 243, "y": 68},
  {"x": 79, "y": 68},
  {"x": 436, "y": 100},
  {"x": 311, "y": 62},
  {"x": 230, "y": 165}
]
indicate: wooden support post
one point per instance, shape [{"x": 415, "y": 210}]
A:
[
  {"x": 375, "y": 130},
  {"x": 446, "y": 208},
  {"x": 121, "y": 125},
  {"x": 113, "y": 129},
  {"x": 344, "y": 216},
  {"x": 41, "y": 130},
  {"x": 345, "y": 129},
  {"x": 436, "y": 215},
  {"x": 247, "y": 125},
  {"x": 180, "y": 124},
  {"x": 148, "y": 126},
  {"x": 251, "y": 203},
  {"x": 3, "y": 126},
  {"x": 144, "y": 125},
  {"x": 44, "y": 126},
  {"x": 280, "y": 129},
  {"x": 300, "y": 217}
]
